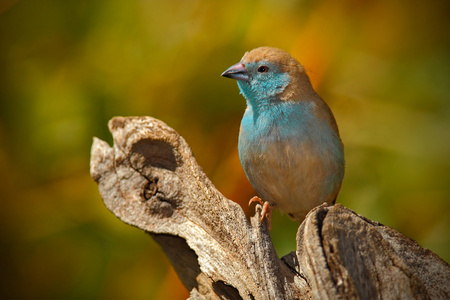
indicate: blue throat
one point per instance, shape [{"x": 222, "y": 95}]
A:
[{"x": 263, "y": 88}]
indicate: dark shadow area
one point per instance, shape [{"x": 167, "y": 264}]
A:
[
  {"x": 157, "y": 153},
  {"x": 182, "y": 258},
  {"x": 225, "y": 291}
]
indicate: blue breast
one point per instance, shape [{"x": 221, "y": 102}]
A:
[{"x": 293, "y": 122}]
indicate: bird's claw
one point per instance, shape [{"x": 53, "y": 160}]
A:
[{"x": 266, "y": 210}]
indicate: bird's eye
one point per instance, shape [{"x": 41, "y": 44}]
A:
[{"x": 263, "y": 69}]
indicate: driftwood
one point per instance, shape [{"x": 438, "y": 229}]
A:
[{"x": 151, "y": 180}]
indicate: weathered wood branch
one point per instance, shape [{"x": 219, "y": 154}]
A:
[{"x": 151, "y": 180}]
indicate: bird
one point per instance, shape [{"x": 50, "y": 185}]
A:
[{"x": 289, "y": 144}]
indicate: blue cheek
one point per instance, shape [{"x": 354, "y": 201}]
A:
[
  {"x": 264, "y": 86},
  {"x": 272, "y": 85}
]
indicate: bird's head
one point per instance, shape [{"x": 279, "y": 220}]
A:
[{"x": 267, "y": 73}]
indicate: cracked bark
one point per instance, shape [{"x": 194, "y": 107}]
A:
[{"x": 150, "y": 179}]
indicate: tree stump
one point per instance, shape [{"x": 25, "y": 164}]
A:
[{"x": 150, "y": 179}]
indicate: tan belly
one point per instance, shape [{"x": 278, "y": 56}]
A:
[{"x": 295, "y": 180}]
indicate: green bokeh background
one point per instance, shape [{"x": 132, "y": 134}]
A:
[{"x": 67, "y": 67}]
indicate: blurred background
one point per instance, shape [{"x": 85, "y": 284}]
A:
[{"x": 67, "y": 67}]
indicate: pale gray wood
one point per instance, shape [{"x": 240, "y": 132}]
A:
[{"x": 150, "y": 179}]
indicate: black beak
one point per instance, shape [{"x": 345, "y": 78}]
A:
[{"x": 238, "y": 72}]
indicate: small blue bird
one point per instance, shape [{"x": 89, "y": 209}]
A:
[{"x": 289, "y": 144}]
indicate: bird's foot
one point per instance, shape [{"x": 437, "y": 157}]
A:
[{"x": 266, "y": 210}]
